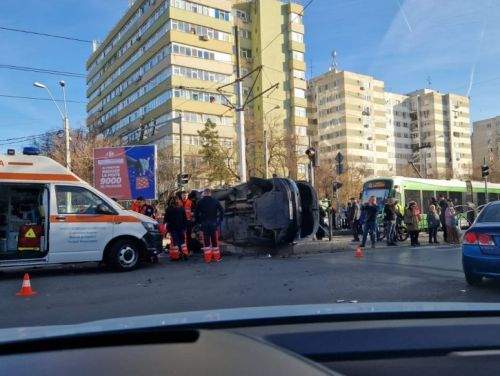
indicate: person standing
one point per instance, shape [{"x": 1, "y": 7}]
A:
[
  {"x": 443, "y": 205},
  {"x": 390, "y": 221},
  {"x": 176, "y": 221},
  {"x": 209, "y": 214},
  {"x": 451, "y": 225},
  {"x": 433, "y": 223},
  {"x": 370, "y": 227},
  {"x": 187, "y": 204},
  {"x": 412, "y": 219},
  {"x": 147, "y": 209},
  {"x": 137, "y": 204}
]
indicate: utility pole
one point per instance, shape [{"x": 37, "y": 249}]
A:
[
  {"x": 240, "y": 112},
  {"x": 485, "y": 171},
  {"x": 266, "y": 155},
  {"x": 181, "y": 154}
]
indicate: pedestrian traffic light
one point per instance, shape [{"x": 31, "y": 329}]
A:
[
  {"x": 183, "y": 179},
  {"x": 313, "y": 156},
  {"x": 336, "y": 186},
  {"x": 485, "y": 170}
]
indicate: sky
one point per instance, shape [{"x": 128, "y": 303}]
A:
[{"x": 406, "y": 43}]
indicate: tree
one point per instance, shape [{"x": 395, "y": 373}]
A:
[
  {"x": 82, "y": 145},
  {"x": 352, "y": 181},
  {"x": 218, "y": 159}
]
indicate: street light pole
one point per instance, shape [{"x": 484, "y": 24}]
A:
[
  {"x": 240, "y": 113},
  {"x": 64, "y": 116}
]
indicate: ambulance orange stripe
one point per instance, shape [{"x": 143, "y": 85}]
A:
[
  {"x": 90, "y": 218},
  {"x": 20, "y": 163},
  {"x": 37, "y": 177}
]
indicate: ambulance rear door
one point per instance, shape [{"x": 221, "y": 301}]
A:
[{"x": 81, "y": 224}]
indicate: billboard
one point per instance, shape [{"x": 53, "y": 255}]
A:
[{"x": 127, "y": 172}]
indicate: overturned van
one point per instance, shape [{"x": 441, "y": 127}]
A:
[{"x": 268, "y": 212}]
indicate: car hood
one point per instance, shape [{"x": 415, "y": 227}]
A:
[
  {"x": 243, "y": 316},
  {"x": 141, "y": 217}
]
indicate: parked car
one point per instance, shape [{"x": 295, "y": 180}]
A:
[{"x": 481, "y": 246}]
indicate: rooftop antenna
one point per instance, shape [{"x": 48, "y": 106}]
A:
[
  {"x": 429, "y": 82},
  {"x": 334, "y": 64}
]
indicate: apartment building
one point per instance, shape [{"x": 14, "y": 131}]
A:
[
  {"x": 162, "y": 64},
  {"x": 398, "y": 128},
  {"x": 486, "y": 145},
  {"x": 425, "y": 127},
  {"x": 350, "y": 112}
]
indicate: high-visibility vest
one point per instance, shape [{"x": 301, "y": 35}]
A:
[
  {"x": 135, "y": 206},
  {"x": 188, "y": 205}
]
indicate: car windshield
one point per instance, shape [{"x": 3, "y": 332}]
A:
[
  {"x": 490, "y": 213},
  {"x": 242, "y": 141}
]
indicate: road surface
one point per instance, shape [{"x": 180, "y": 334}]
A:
[{"x": 73, "y": 294}]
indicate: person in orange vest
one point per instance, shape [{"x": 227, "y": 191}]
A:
[
  {"x": 187, "y": 204},
  {"x": 137, "y": 204}
]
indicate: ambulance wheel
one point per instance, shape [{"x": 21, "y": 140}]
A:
[{"x": 124, "y": 255}]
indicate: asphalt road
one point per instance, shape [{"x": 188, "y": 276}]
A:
[{"x": 73, "y": 294}]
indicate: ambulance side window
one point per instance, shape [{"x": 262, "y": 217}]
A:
[{"x": 76, "y": 200}]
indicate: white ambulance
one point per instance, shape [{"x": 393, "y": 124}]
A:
[{"x": 48, "y": 216}]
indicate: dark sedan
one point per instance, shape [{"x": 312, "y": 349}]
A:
[{"x": 481, "y": 246}]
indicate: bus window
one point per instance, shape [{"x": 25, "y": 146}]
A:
[
  {"x": 492, "y": 196},
  {"x": 412, "y": 195},
  {"x": 481, "y": 198},
  {"x": 426, "y": 196},
  {"x": 456, "y": 198},
  {"x": 441, "y": 193}
]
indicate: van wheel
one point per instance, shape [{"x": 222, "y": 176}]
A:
[{"x": 124, "y": 255}]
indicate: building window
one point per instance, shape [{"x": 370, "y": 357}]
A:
[
  {"x": 300, "y": 112},
  {"x": 245, "y": 53},
  {"x": 297, "y": 37},
  {"x": 299, "y": 74},
  {"x": 296, "y": 18},
  {"x": 300, "y": 93},
  {"x": 298, "y": 55}
]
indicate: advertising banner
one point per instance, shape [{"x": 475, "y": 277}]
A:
[{"x": 126, "y": 173}]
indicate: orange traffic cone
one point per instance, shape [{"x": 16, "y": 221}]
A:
[
  {"x": 216, "y": 254},
  {"x": 359, "y": 252},
  {"x": 26, "y": 290},
  {"x": 174, "y": 253},
  {"x": 207, "y": 254}
]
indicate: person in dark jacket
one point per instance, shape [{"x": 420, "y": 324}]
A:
[
  {"x": 176, "y": 221},
  {"x": 209, "y": 214},
  {"x": 390, "y": 221},
  {"x": 370, "y": 210},
  {"x": 443, "y": 205},
  {"x": 433, "y": 223}
]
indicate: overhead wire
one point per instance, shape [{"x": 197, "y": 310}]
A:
[
  {"x": 39, "y": 98},
  {"x": 45, "y": 34},
  {"x": 42, "y": 70}
]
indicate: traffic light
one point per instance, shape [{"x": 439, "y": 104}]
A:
[
  {"x": 485, "y": 170},
  {"x": 183, "y": 179},
  {"x": 336, "y": 186},
  {"x": 313, "y": 156}
]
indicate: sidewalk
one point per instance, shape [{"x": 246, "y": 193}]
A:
[{"x": 338, "y": 244}]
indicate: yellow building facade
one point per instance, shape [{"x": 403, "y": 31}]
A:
[{"x": 162, "y": 64}]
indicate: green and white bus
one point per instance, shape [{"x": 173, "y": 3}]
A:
[{"x": 405, "y": 189}]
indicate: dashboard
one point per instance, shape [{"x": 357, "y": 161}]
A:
[{"x": 415, "y": 345}]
